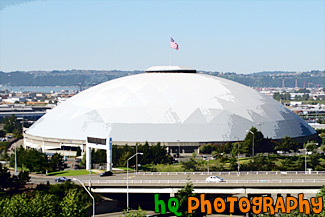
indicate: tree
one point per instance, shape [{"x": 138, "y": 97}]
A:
[
  {"x": 33, "y": 160},
  {"x": 5, "y": 179},
  {"x": 287, "y": 145},
  {"x": 260, "y": 163},
  {"x": 11, "y": 123},
  {"x": 182, "y": 196},
  {"x": 8, "y": 182},
  {"x": 287, "y": 164},
  {"x": 314, "y": 160},
  {"x": 190, "y": 165},
  {"x": 20, "y": 180},
  {"x": 74, "y": 203},
  {"x": 56, "y": 163},
  {"x": 247, "y": 145},
  {"x": 78, "y": 151},
  {"x": 2, "y": 133}
]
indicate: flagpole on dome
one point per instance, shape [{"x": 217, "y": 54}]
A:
[{"x": 170, "y": 57}]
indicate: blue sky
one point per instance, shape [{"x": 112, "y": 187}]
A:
[{"x": 227, "y": 36}]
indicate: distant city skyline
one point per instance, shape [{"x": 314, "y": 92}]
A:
[{"x": 225, "y": 36}]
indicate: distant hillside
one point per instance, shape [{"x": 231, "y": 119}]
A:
[
  {"x": 61, "y": 78},
  {"x": 92, "y": 77}
]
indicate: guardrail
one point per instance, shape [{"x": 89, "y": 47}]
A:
[
  {"x": 235, "y": 173},
  {"x": 276, "y": 181}
]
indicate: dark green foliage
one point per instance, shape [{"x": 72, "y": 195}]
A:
[
  {"x": 36, "y": 161},
  {"x": 190, "y": 165},
  {"x": 283, "y": 96},
  {"x": 48, "y": 200},
  {"x": 259, "y": 163},
  {"x": 247, "y": 145},
  {"x": 182, "y": 196},
  {"x": 33, "y": 160},
  {"x": 304, "y": 97},
  {"x": 209, "y": 148},
  {"x": 134, "y": 213},
  {"x": 288, "y": 165},
  {"x": 5, "y": 178},
  {"x": 314, "y": 160},
  {"x": 11, "y": 124},
  {"x": 286, "y": 145},
  {"x": 78, "y": 151},
  {"x": 12, "y": 182},
  {"x": 98, "y": 156},
  {"x": 155, "y": 154},
  {"x": 2, "y": 133},
  {"x": 56, "y": 163}
]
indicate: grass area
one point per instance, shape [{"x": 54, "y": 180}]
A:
[
  {"x": 169, "y": 168},
  {"x": 125, "y": 169},
  {"x": 70, "y": 173}
]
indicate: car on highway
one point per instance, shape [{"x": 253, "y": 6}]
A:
[
  {"x": 62, "y": 179},
  {"x": 214, "y": 179},
  {"x": 106, "y": 173}
]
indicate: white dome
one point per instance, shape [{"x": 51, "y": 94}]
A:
[{"x": 169, "y": 107}]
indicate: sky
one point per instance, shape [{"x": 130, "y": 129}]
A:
[{"x": 226, "y": 36}]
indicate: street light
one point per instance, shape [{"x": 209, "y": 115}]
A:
[
  {"x": 16, "y": 159},
  {"x": 75, "y": 179},
  {"x": 253, "y": 141},
  {"x": 127, "y": 180},
  {"x": 238, "y": 152},
  {"x": 306, "y": 155}
]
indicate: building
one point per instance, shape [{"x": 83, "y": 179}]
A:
[{"x": 168, "y": 104}]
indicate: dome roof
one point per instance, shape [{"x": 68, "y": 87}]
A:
[{"x": 169, "y": 107}]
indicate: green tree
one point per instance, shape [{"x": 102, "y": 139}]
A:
[
  {"x": 287, "y": 164},
  {"x": 78, "y": 151},
  {"x": 20, "y": 180},
  {"x": 247, "y": 144},
  {"x": 56, "y": 163},
  {"x": 314, "y": 160},
  {"x": 2, "y": 133},
  {"x": 74, "y": 203},
  {"x": 33, "y": 160},
  {"x": 190, "y": 165},
  {"x": 287, "y": 145},
  {"x": 5, "y": 178},
  {"x": 182, "y": 196},
  {"x": 8, "y": 181},
  {"x": 300, "y": 164},
  {"x": 260, "y": 163},
  {"x": 11, "y": 123}
]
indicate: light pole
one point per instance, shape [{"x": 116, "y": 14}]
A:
[
  {"x": 238, "y": 152},
  {"x": 208, "y": 166},
  {"x": 179, "y": 150},
  {"x": 16, "y": 159},
  {"x": 306, "y": 155},
  {"x": 253, "y": 142},
  {"x": 75, "y": 179},
  {"x": 127, "y": 180}
]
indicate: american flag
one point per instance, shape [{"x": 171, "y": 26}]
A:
[{"x": 173, "y": 44}]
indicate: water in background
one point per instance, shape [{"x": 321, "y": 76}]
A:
[{"x": 42, "y": 89}]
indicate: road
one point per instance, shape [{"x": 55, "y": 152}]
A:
[{"x": 200, "y": 177}]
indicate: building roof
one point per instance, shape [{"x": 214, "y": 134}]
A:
[
  {"x": 169, "y": 107},
  {"x": 169, "y": 69}
]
